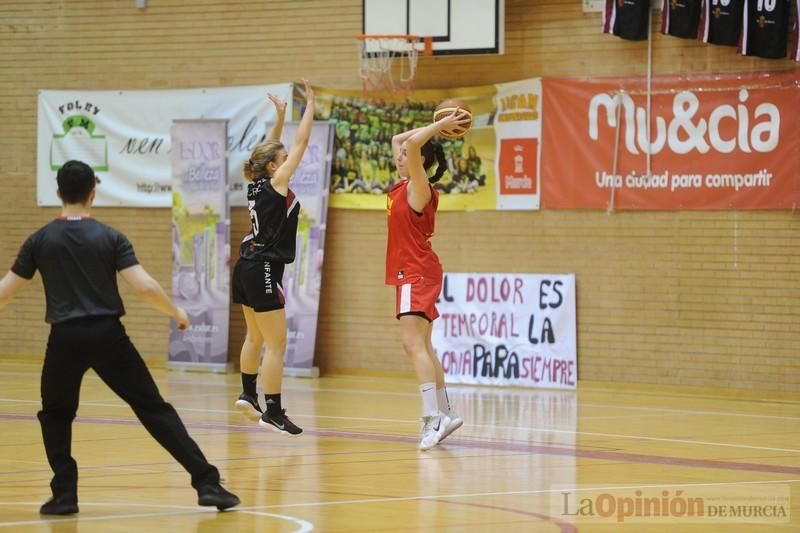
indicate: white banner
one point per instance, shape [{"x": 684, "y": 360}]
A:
[
  {"x": 125, "y": 137},
  {"x": 518, "y": 133},
  {"x": 508, "y": 329}
]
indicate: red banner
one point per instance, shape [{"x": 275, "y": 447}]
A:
[{"x": 716, "y": 142}]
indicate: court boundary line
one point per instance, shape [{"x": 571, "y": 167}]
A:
[
  {"x": 180, "y": 510},
  {"x": 527, "y": 391},
  {"x": 260, "y": 509},
  {"x": 523, "y": 492},
  {"x": 492, "y": 444},
  {"x": 688, "y": 442}
]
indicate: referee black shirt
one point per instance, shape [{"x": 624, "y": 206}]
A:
[{"x": 78, "y": 258}]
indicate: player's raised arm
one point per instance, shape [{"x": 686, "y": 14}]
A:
[
  {"x": 280, "y": 110},
  {"x": 280, "y": 180}
]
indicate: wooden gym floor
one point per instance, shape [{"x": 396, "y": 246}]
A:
[{"x": 524, "y": 460}]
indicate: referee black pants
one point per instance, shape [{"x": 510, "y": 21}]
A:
[{"x": 100, "y": 343}]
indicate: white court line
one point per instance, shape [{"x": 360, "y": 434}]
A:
[
  {"x": 258, "y": 510},
  {"x": 689, "y": 412},
  {"x": 657, "y": 439},
  {"x": 476, "y": 426},
  {"x": 22, "y": 461},
  {"x": 518, "y": 493},
  {"x": 532, "y": 391},
  {"x": 622, "y": 407},
  {"x": 304, "y": 526}
]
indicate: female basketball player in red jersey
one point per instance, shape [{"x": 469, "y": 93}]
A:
[
  {"x": 414, "y": 268},
  {"x": 258, "y": 274}
]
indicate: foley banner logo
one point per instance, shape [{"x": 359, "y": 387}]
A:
[{"x": 79, "y": 138}]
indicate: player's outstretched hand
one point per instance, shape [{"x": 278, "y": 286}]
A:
[
  {"x": 458, "y": 118},
  {"x": 308, "y": 90},
  {"x": 181, "y": 318},
  {"x": 280, "y": 105}
]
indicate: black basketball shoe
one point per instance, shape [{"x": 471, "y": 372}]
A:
[{"x": 280, "y": 424}]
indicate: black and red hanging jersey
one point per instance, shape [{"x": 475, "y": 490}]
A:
[
  {"x": 796, "y": 33},
  {"x": 628, "y": 19},
  {"x": 680, "y": 18},
  {"x": 720, "y": 22},
  {"x": 765, "y": 28}
]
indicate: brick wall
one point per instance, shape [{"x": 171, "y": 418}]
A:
[{"x": 703, "y": 299}]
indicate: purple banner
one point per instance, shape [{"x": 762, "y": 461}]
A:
[
  {"x": 301, "y": 279},
  {"x": 200, "y": 243}
]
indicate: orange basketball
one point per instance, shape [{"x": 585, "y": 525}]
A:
[{"x": 448, "y": 107}]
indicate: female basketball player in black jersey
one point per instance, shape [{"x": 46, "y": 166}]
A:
[{"x": 258, "y": 274}]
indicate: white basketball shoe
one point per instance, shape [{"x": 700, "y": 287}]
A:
[
  {"x": 433, "y": 427},
  {"x": 455, "y": 422}
]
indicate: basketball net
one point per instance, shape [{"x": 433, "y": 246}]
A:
[{"x": 388, "y": 63}]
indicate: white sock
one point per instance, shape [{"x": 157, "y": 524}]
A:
[
  {"x": 429, "y": 406},
  {"x": 443, "y": 400}
]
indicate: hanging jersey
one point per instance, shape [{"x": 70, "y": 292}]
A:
[
  {"x": 628, "y": 19},
  {"x": 720, "y": 22},
  {"x": 796, "y": 33},
  {"x": 765, "y": 28},
  {"x": 409, "y": 255},
  {"x": 680, "y": 18},
  {"x": 273, "y": 224}
]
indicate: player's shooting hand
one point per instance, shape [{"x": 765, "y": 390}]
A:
[
  {"x": 280, "y": 105},
  {"x": 459, "y": 117},
  {"x": 309, "y": 91},
  {"x": 181, "y": 318}
]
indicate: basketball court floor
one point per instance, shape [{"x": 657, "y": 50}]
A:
[{"x": 524, "y": 461}]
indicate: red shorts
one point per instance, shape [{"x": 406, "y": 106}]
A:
[{"x": 419, "y": 297}]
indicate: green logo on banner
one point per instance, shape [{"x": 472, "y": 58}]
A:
[{"x": 79, "y": 141}]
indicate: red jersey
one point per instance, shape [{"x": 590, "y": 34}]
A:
[{"x": 409, "y": 255}]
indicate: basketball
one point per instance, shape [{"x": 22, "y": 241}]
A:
[{"x": 447, "y": 107}]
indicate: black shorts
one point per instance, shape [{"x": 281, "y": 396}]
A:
[{"x": 258, "y": 284}]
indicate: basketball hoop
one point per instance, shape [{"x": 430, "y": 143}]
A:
[{"x": 388, "y": 63}]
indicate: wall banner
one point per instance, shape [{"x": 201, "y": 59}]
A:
[
  {"x": 721, "y": 142},
  {"x": 125, "y": 137},
  {"x": 200, "y": 243},
  {"x": 495, "y": 166},
  {"x": 508, "y": 329}
]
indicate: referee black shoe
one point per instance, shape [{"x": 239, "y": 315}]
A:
[
  {"x": 216, "y": 496},
  {"x": 61, "y": 505},
  {"x": 248, "y": 406}
]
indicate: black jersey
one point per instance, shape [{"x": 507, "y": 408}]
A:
[
  {"x": 795, "y": 53},
  {"x": 627, "y": 19},
  {"x": 680, "y": 18},
  {"x": 78, "y": 258},
  {"x": 273, "y": 224},
  {"x": 765, "y": 28},
  {"x": 720, "y": 22}
]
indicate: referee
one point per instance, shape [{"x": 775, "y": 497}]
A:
[{"x": 78, "y": 258}]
